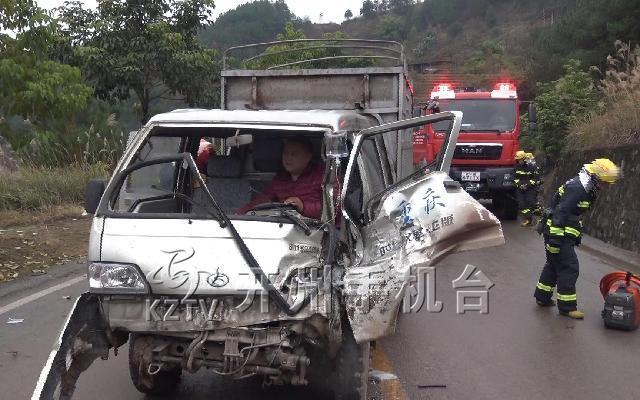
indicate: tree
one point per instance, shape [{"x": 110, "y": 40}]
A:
[
  {"x": 348, "y": 14},
  {"x": 399, "y": 5},
  {"x": 148, "y": 48},
  {"x": 368, "y": 9},
  {"x": 426, "y": 44},
  {"x": 392, "y": 27},
  {"x": 295, "y": 52},
  {"x": 255, "y": 22},
  {"x": 32, "y": 85},
  {"x": 490, "y": 58},
  {"x": 562, "y": 103},
  {"x": 585, "y": 32}
]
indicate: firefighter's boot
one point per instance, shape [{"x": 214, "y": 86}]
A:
[
  {"x": 549, "y": 303},
  {"x": 526, "y": 222},
  {"x": 575, "y": 314}
]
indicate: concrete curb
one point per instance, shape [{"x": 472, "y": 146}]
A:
[{"x": 619, "y": 258}]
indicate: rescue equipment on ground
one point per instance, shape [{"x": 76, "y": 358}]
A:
[{"x": 621, "y": 293}]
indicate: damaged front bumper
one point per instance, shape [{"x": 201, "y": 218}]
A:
[{"x": 83, "y": 339}]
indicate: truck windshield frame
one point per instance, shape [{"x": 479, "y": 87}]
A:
[{"x": 481, "y": 115}]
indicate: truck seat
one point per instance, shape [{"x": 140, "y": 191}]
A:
[{"x": 225, "y": 183}]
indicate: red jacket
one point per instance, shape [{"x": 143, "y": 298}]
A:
[{"x": 308, "y": 187}]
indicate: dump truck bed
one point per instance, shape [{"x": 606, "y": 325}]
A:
[{"x": 382, "y": 92}]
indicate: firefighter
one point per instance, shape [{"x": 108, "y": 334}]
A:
[
  {"x": 526, "y": 182},
  {"x": 561, "y": 228},
  {"x": 537, "y": 179}
]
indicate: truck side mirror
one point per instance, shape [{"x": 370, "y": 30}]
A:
[
  {"x": 533, "y": 119},
  {"x": 92, "y": 194}
]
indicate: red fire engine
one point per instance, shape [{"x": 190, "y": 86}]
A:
[{"x": 484, "y": 157}]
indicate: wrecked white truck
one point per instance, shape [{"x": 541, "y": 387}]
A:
[{"x": 189, "y": 282}]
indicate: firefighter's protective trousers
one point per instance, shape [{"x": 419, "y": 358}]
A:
[
  {"x": 528, "y": 201},
  {"x": 561, "y": 269}
]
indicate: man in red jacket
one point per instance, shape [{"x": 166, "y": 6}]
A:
[{"x": 299, "y": 185}]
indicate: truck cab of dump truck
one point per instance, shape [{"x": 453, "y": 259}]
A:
[{"x": 484, "y": 157}]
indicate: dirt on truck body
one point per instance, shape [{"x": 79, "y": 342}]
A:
[{"x": 190, "y": 281}]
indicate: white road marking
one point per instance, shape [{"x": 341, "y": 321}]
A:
[{"x": 28, "y": 299}]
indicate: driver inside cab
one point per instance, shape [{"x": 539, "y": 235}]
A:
[{"x": 299, "y": 184}]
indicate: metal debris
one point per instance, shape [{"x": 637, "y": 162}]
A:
[{"x": 379, "y": 376}]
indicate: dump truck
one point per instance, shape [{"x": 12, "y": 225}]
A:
[{"x": 190, "y": 282}]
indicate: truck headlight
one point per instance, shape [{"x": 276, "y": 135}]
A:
[
  {"x": 507, "y": 177},
  {"x": 115, "y": 278}
]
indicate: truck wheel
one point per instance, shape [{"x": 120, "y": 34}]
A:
[
  {"x": 140, "y": 352},
  {"x": 352, "y": 371},
  {"x": 510, "y": 208},
  {"x": 506, "y": 207}
]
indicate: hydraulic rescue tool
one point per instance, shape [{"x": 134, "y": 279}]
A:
[{"x": 621, "y": 292}]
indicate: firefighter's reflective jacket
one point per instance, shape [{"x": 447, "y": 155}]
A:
[
  {"x": 568, "y": 204},
  {"x": 527, "y": 175}
]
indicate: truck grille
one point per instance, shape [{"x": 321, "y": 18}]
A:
[{"x": 478, "y": 151}]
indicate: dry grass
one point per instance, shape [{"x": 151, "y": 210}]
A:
[
  {"x": 620, "y": 123},
  {"x": 42, "y": 188}
]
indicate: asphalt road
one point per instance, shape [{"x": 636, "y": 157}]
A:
[{"x": 516, "y": 351}]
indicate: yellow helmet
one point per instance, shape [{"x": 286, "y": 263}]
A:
[
  {"x": 529, "y": 156},
  {"x": 604, "y": 169},
  {"x": 520, "y": 155}
]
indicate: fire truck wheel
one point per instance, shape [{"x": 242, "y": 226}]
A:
[{"x": 506, "y": 206}]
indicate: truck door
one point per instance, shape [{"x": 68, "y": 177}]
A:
[{"x": 395, "y": 229}]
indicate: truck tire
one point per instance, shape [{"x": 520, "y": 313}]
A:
[
  {"x": 352, "y": 372},
  {"x": 506, "y": 206},
  {"x": 162, "y": 383}
]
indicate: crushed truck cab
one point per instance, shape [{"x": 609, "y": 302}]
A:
[{"x": 190, "y": 283}]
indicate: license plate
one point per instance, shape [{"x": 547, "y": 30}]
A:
[{"x": 471, "y": 176}]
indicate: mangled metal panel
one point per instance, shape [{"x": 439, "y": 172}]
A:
[{"x": 417, "y": 226}]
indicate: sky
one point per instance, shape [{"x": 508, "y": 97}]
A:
[{"x": 331, "y": 10}]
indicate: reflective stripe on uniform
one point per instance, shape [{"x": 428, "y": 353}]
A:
[
  {"x": 584, "y": 204},
  {"x": 554, "y": 230},
  {"x": 523, "y": 172},
  {"x": 572, "y": 231},
  {"x": 561, "y": 190},
  {"x": 552, "y": 249},
  {"x": 544, "y": 287},
  {"x": 567, "y": 297}
]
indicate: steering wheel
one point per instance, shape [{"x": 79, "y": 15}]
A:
[{"x": 272, "y": 205}]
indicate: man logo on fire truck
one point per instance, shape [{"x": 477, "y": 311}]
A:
[{"x": 484, "y": 157}]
